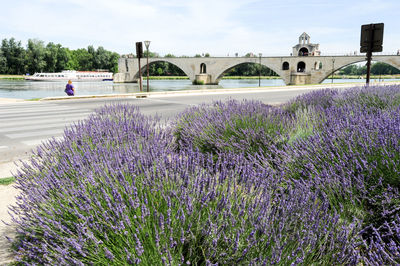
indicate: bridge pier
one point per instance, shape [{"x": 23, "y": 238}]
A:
[
  {"x": 300, "y": 78},
  {"x": 203, "y": 79},
  {"x": 126, "y": 77}
]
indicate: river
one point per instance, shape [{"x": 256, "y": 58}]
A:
[{"x": 22, "y": 89}]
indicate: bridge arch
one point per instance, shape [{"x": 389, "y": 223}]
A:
[
  {"x": 333, "y": 64},
  {"x": 328, "y": 72},
  {"x": 152, "y": 61},
  {"x": 226, "y": 69}
]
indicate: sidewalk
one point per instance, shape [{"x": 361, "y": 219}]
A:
[
  {"x": 7, "y": 197},
  {"x": 8, "y": 194},
  {"x": 7, "y": 169},
  {"x": 10, "y": 100}
]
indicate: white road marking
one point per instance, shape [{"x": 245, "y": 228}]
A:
[
  {"x": 36, "y": 111},
  {"x": 34, "y": 127},
  {"x": 35, "y": 134},
  {"x": 72, "y": 114},
  {"x": 36, "y": 142},
  {"x": 166, "y": 101}
]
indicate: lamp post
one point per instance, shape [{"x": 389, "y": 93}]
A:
[
  {"x": 333, "y": 69},
  {"x": 259, "y": 71},
  {"x": 147, "y": 44}
]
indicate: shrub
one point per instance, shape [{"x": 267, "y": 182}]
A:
[
  {"x": 113, "y": 192},
  {"x": 241, "y": 127},
  {"x": 235, "y": 183}
]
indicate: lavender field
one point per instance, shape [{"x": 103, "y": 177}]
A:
[{"x": 313, "y": 181}]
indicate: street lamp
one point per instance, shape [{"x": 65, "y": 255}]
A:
[
  {"x": 147, "y": 44},
  {"x": 259, "y": 71},
  {"x": 333, "y": 69}
]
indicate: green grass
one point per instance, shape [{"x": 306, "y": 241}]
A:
[
  {"x": 6, "y": 181},
  {"x": 364, "y": 76},
  {"x": 251, "y": 77},
  {"x": 12, "y": 77},
  {"x": 198, "y": 82},
  {"x": 166, "y": 77},
  {"x": 34, "y": 99}
]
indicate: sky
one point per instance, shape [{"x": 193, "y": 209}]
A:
[{"x": 189, "y": 27}]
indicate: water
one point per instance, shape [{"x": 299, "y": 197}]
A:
[{"x": 23, "y": 89}]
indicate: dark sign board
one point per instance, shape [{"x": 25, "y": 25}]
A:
[
  {"x": 371, "y": 38},
  {"x": 139, "y": 50}
]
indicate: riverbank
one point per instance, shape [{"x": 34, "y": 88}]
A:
[
  {"x": 225, "y": 77},
  {"x": 364, "y": 77},
  {"x": 12, "y": 77},
  {"x": 277, "y": 77}
]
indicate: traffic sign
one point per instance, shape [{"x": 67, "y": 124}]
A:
[{"x": 371, "y": 38}]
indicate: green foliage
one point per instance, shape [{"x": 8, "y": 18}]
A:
[
  {"x": 249, "y": 69},
  {"x": 35, "y": 56},
  {"x": 160, "y": 71},
  {"x": 7, "y": 181},
  {"x": 377, "y": 68},
  {"x": 15, "y": 56},
  {"x": 3, "y": 63},
  {"x": 38, "y": 57},
  {"x": 198, "y": 82}
]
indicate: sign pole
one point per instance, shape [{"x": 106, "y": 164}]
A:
[
  {"x": 139, "y": 54},
  {"x": 140, "y": 76},
  {"x": 369, "y": 52}
]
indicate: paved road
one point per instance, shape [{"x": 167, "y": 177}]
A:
[{"x": 24, "y": 125}]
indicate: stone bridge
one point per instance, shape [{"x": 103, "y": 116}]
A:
[{"x": 292, "y": 69}]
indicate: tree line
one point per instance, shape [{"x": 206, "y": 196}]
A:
[
  {"x": 51, "y": 57},
  {"x": 377, "y": 68}
]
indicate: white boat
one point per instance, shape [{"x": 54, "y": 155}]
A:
[{"x": 72, "y": 75}]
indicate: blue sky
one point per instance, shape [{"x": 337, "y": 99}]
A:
[{"x": 185, "y": 27}]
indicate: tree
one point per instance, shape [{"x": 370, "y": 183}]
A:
[
  {"x": 106, "y": 60},
  {"x": 72, "y": 63},
  {"x": 380, "y": 68},
  {"x": 3, "y": 63},
  {"x": 63, "y": 57},
  {"x": 51, "y": 56},
  {"x": 113, "y": 62},
  {"x": 15, "y": 56},
  {"x": 84, "y": 59},
  {"x": 35, "y": 56}
]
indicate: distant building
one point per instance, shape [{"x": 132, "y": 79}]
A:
[{"x": 305, "y": 48}]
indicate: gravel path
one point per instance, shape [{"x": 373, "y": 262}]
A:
[{"x": 7, "y": 197}]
